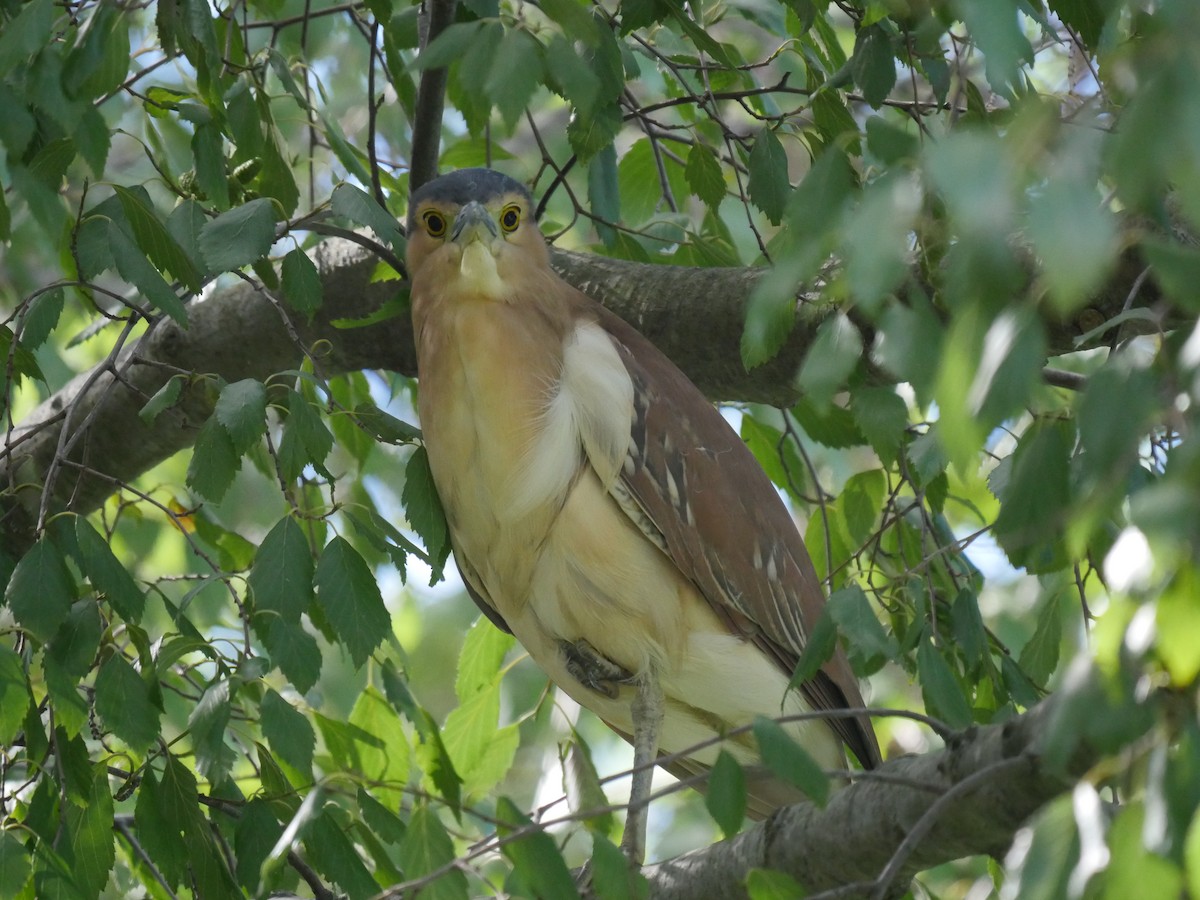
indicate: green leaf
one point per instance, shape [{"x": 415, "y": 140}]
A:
[
  {"x": 517, "y": 70},
  {"x": 1084, "y": 16},
  {"x": 215, "y": 462},
  {"x": 255, "y": 834},
  {"x": 1114, "y": 411},
  {"x": 134, "y": 267},
  {"x": 242, "y": 410},
  {"x": 704, "y": 175},
  {"x": 107, "y": 574},
  {"x": 359, "y": 206},
  {"x": 281, "y": 580},
  {"x": 239, "y": 236},
  {"x": 15, "y": 865},
  {"x": 612, "y": 878},
  {"x": 350, "y": 599},
  {"x": 383, "y": 822},
  {"x": 73, "y": 647},
  {"x": 776, "y": 454},
  {"x": 834, "y": 354},
  {"x": 26, "y": 34},
  {"x": 40, "y": 318},
  {"x": 818, "y": 650},
  {"x": 970, "y": 635},
  {"x": 164, "y": 398},
  {"x": 1177, "y": 614},
  {"x": 336, "y": 859},
  {"x": 861, "y": 501},
  {"x": 384, "y": 763},
  {"x": 769, "y": 884},
  {"x": 940, "y": 690},
  {"x": 725, "y": 794},
  {"x": 424, "y": 511},
  {"x": 604, "y": 195},
  {"x": 90, "y": 837},
  {"x": 24, "y": 363},
  {"x": 856, "y": 620},
  {"x": 997, "y": 27},
  {"x": 1034, "y": 503},
  {"x": 207, "y": 724},
  {"x": 536, "y": 858},
  {"x": 154, "y": 238},
  {"x": 873, "y": 65},
  {"x": 479, "y": 661},
  {"x": 768, "y": 184},
  {"x": 124, "y": 704},
  {"x": 882, "y": 417},
  {"x": 296, "y": 652},
  {"x": 890, "y": 143},
  {"x": 1039, "y": 656},
  {"x": 426, "y": 848},
  {"x": 14, "y": 700},
  {"x": 789, "y": 761},
  {"x": 288, "y": 732},
  {"x": 41, "y": 590},
  {"x": 302, "y": 283},
  {"x": 306, "y": 440},
  {"x": 276, "y": 180}
]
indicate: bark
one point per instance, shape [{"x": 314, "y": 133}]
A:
[{"x": 873, "y": 836}]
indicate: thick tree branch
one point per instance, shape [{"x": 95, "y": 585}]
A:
[
  {"x": 694, "y": 315},
  {"x": 920, "y": 811}
]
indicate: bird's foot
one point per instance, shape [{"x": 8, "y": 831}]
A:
[{"x": 595, "y": 672}]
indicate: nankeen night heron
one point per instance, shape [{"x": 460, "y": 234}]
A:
[{"x": 602, "y": 510}]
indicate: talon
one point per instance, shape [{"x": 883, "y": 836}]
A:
[{"x": 593, "y": 671}]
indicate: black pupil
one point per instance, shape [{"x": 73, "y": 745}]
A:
[
  {"x": 510, "y": 218},
  {"x": 435, "y": 222}
]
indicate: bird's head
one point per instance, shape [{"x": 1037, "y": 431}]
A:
[{"x": 473, "y": 232}]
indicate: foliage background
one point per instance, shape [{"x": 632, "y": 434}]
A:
[{"x": 233, "y": 676}]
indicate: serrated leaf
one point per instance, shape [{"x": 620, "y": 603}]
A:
[
  {"x": 383, "y": 822},
  {"x": 207, "y": 724},
  {"x": 360, "y": 207},
  {"x": 834, "y": 354},
  {"x": 306, "y": 440},
  {"x": 289, "y": 734},
  {"x": 426, "y": 848},
  {"x": 242, "y": 410},
  {"x": 296, "y": 652},
  {"x": 517, "y": 70},
  {"x": 350, "y": 599},
  {"x": 818, "y": 649},
  {"x": 124, "y": 705},
  {"x": 90, "y": 837},
  {"x": 73, "y": 647},
  {"x": 479, "y": 661},
  {"x": 215, "y": 462},
  {"x": 768, "y": 183},
  {"x": 725, "y": 794},
  {"x": 940, "y": 690},
  {"x": 14, "y": 697},
  {"x": 424, "y": 511},
  {"x": 254, "y": 834},
  {"x": 873, "y": 65},
  {"x": 882, "y": 417},
  {"x": 604, "y": 195},
  {"x": 239, "y": 236},
  {"x": 385, "y": 761},
  {"x": 154, "y": 238},
  {"x": 276, "y": 179},
  {"x": 301, "y": 283},
  {"x": 41, "y": 590},
  {"x": 335, "y": 857},
  {"x": 15, "y": 865},
  {"x": 25, "y": 34},
  {"x": 852, "y": 612},
  {"x": 40, "y": 318},
  {"x": 133, "y": 266},
  {"x": 164, "y": 398},
  {"x": 536, "y": 858},
  {"x": 789, "y": 761},
  {"x": 704, "y": 175},
  {"x": 1039, "y": 656},
  {"x": 281, "y": 579}
]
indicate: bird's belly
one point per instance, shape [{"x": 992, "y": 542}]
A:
[{"x": 599, "y": 579}]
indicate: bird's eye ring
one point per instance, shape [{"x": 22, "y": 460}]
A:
[
  {"x": 510, "y": 218},
  {"x": 435, "y": 222}
]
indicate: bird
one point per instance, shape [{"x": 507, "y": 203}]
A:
[{"x": 602, "y": 510}]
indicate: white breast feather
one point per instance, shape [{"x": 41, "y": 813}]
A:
[{"x": 591, "y": 411}]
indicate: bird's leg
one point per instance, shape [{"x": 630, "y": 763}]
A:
[
  {"x": 647, "y": 722},
  {"x": 595, "y": 672}
]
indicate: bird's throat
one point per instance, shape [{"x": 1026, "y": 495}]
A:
[{"x": 477, "y": 270}]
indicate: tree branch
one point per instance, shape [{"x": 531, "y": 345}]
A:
[{"x": 873, "y": 836}]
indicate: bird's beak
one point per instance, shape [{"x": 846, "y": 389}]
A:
[{"x": 473, "y": 223}]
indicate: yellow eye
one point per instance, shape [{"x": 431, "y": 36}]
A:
[
  {"x": 510, "y": 218},
  {"x": 435, "y": 222}
]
